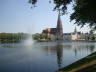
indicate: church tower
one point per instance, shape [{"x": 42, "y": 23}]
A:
[
  {"x": 59, "y": 27},
  {"x": 75, "y": 30}
]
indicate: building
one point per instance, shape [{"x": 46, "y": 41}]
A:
[
  {"x": 76, "y": 35},
  {"x": 55, "y": 33},
  {"x": 67, "y": 36},
  {"x": 59, "y": 34},
  {"x": 50, "y": 31}
]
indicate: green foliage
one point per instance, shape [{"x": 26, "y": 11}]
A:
[
  {"x": 12, "y": 37},
  {"x": 36, "y": 36},
  {"x": 62, "y": 5},
  {"x": 84, "y": 11},
  {"x": 93, "y": 38},
  {"x": 39, "y": 36},
  {"x": 59, "y": 4},
  {"x": 33, "y": 2}
]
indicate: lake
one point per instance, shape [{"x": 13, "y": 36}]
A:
[{"x": 42, "y": 56}]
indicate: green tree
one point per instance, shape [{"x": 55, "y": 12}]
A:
[
  {"x": 39, "y": 36},
  {"x": 12, "y": 37},
  {"x": 84, "y": 11}
]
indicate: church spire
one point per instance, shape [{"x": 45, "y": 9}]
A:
[
  {"x": 75, "y": 30},
  {"x": 59, "y": 25}
]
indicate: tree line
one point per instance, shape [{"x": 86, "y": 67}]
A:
[
  {"x": 12, "y": 37},
  {"x": 38, "y": 36}
]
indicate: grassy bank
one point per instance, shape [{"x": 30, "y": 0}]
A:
[{"x": 87, "y": 64}]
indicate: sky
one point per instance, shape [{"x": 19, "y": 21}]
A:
[{"x": 18, "y": 16}]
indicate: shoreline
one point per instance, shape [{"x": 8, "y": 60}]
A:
[
  {"x": 65, "y": 41},
  {"x": 85, "y": 64},
  {"x": 17, "y": 41}
]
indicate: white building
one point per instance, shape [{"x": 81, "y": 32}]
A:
[
  {"x": 74, "y": 35},
  {"x": 67, "y": 36}
]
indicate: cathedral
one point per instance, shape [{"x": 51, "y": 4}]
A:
[
  {"x": 55, "y": 33},
  {"x": 59, "y": 28}
]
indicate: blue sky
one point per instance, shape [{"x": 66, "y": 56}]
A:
[{"x": 17, "y": 16}]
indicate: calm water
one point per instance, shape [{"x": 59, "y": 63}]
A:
[{"x": 42, "y": 57}]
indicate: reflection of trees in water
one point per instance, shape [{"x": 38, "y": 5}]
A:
[
  {"x": 92, "y": 47},
  {"x": 12, "y": 45},
  {"x": 85, "y": 46},
  {"x": 7, "y": 46}
]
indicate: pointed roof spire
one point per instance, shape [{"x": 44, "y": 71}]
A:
[
  {"x": 75, "y": 30},
  {"x": 59, "y": 25}
]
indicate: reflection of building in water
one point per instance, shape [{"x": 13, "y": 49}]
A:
[
  {"x": 55, "y": 50},
  {"x": 59, "y": 51},
  {"x": 74, "y": 46}
]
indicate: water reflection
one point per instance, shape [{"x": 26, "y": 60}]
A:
[
  {"x": 16, "y": 45},
  {"x": 59, "y": 52},
  {"x": 67, "y": 51},
  {"x": 92, "y": 48},
  {"x": 42, "y": 56},
  {"x": 79, "y": 47},
  {"x": 55, "y": 50},
  {"x": 8, "y": 45}
]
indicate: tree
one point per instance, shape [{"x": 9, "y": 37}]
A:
[
  {"x": 39, "y": 36},
  {"x": 59, "y": 4},
  {"x": 84, "y": 11}
]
